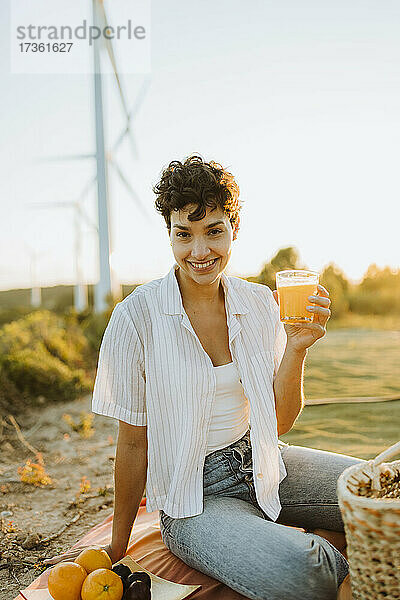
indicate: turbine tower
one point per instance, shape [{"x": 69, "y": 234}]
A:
[
  {"x": 103, "y": 287},
  {"x": 80, "y": 287},
  {"x": 36, "y": 290}
]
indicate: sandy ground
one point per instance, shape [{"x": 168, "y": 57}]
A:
[{"x": 29, "y": 514}]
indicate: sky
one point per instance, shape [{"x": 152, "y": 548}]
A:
[{"x": 299, "y": 100}]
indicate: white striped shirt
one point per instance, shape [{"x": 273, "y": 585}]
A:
[{"x": 153, "y": 371}]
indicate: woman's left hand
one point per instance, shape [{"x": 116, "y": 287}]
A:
[{"x": 303, "y": 335}]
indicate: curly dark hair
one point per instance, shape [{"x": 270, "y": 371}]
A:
[{"x": 195, "y": 181}]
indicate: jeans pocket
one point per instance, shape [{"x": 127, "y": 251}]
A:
[
  {"x": 243, "y": 454},
  {"x": 244, "y": 459}
]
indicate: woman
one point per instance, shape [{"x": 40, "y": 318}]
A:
[{"x": 203, "y": 378}]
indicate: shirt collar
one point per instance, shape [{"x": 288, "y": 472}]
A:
[{"x": 171, "y": 300}]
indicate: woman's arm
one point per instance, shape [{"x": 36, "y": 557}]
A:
[
  {"x": 130, "y": 480},
  {"x": 288, "y": 383},
  {"x": 129, "y": 483},
  {"x": 288, "y": 388}
]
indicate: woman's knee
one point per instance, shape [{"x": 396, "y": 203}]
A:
[
  {"x": 306, "y": 568},
  {"x": 308, "y": 572},
  {"x": 326, "y": 568},
  {"x": 303, "y": 566}
]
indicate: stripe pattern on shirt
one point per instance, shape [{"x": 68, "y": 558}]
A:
[{"x": 153, "y": 371}]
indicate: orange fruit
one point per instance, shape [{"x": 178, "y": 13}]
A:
[
  {"x": 93, "y": 558},
  {"x": 102, "y": 584},
  {"x": 65, "y": 581}
]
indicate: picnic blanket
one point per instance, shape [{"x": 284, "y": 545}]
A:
[{"x": 146, "y": 548}]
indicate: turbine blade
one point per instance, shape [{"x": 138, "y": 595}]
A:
[
  {"x": 85, "y": 217},
  {"x": 140, "y": 97},
  {"x": 86, "y": 188},
  {"x": 132, "y": 142},
  {"x": 134, "y": 110},
  {"x": 119, "y": 140},
  {"x": 130, "y": 189},
  {"x": 50, "y": 204},
  {"x": 67, "y": 157},
  {"x": 111, "y": 55}
]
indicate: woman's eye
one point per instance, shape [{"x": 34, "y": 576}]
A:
[{"x": 215, "y": 231}]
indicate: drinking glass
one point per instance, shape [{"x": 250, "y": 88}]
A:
[{"x": 294, "y": 287}]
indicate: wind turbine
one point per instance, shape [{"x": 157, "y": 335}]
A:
[
  {"x": 80, "y": 288},
  {"x": 36, "y": 290},
  {"x": 104, "y": 286},
  {"x": 104, "y": 158}
]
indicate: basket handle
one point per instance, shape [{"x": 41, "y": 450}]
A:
[{"x": 386, "y": 454}]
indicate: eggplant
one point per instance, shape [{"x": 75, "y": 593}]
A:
[
  {"x": 138, "y": 590},
  {"x": 140, "y": 576},
  {"x": 122, "y": 570}
]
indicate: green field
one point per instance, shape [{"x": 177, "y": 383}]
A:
[
  {"x": 351, "y": 363},
  {"x": 361, "y": 430},
  {"x": 354, "y": 362}
]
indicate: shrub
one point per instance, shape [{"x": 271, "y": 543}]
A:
[
  {"x": 334, "y": 280},
  {"x": 93, "y": 327},
  {"x": 285, "y": 258},
  {"x": 12, "y": 400},
  {"x": 10, "y": 314},
  {"x": 38, "y": 373},
  {"x": 378, "y": 293},
  {"x": 45, "y": 329},
  {"x": 42, "y": 356}
]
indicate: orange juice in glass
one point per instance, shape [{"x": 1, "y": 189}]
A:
[{"x": 294, "y": 287}]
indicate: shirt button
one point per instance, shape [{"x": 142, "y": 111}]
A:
[{"x": 259, "y": 475}]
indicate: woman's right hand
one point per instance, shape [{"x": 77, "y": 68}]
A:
[{"x": 72, "y": 554}]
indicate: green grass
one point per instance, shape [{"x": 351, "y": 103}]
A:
[
  {"x": 351, "y": 363},
  {"x": 361, "y": 430},
  {"x": 371, "y": 322},
  {"x": 354, "y": 362}
]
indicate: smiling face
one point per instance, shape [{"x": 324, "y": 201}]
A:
[{"x": 202, "y": 248}]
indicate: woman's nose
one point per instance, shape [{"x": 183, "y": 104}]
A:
[{"x": 200, "y": 249}]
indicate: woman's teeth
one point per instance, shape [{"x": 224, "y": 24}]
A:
[{"x": 200, "y": 266}]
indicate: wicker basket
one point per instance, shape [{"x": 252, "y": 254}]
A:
[{"x": 369, "y": 500}]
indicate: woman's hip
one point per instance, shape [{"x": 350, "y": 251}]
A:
[{"x": 307, "y": 494}]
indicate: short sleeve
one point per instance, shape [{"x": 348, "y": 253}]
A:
[{"x": 120, "y": 389}]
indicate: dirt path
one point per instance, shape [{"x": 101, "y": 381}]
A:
[{"x": 29, "y": 514}]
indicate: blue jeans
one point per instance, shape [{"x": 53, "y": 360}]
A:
[{"x": 235, "y": 542}]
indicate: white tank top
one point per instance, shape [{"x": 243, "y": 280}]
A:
[{"x": 230, "y": 415}]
